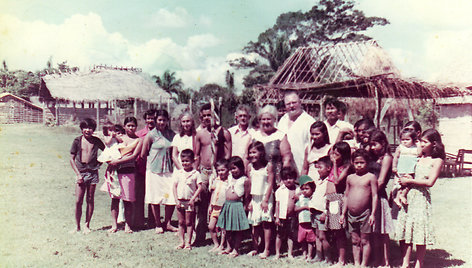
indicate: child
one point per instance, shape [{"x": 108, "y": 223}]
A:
[
  {"x": 319, "y": 147},
  {"x": 112, "y": 138},
  {"x": 187, "y": 187},
  {"x": 381, "y": 167},
  {"x": 218, "y": 187},
  {"x": 306, "y": 234},
  {"x": 319, "y": 207},
  {"x": 404, "y": 162},
  {"x": 414, "y": 224},
  {"x": 233, "y": 218},
  {"x": 340, "y": 156},
  {"x": 360, "y": 204},
  {"x": 260, "y": 215},
  {"x": 84, "y": 162},
  {"x": 285, "y": 218}
]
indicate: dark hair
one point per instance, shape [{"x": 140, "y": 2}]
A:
[
  {"x": 108, "y": 126},
  {"x": 237, "y": 162},
  {"x": 88, "y": 123},
  {"x": 434, "y": 137},
  {"x": 332, "y": 101},
  {"x": 344, "y": 149},
  {"x": 181, "y": 130},
  {"x": 342, "y": 107},
  {"x": 380, "y": 137},
  {"x": 414, "y": 124},
  {"x": 288, "y": 173},
  {"x": 222, "y": 162},
  {"x": 150, "y": 112},
  {"x": 324, "y": 130},
  {"x": 130, "y": 119},
  {"x": 162, "y": 112},
  {"x": 361, "y": 153},
  {"x": 207, "y": 106},
  {"x": 119, "y": 129},
  {"x": 364, "y": 121},
  {"x": 311, "y": 184},
  {"x": 326, "y": 160},
  {"x": 409, "y": 133},
  {"x": 187, "y": 153},
  {"x": 259, "y": 146}
]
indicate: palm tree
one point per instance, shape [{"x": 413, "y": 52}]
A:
[{"x": 169, "y": 82}]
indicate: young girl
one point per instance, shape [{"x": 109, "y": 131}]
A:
[
  {"x": 340, "y": 156},
  {"x": 187, "y": 187},
  {"x": 381, "y": 167},
  {"x": 233, "y": 218},
  {"x": 260, "y": 215},
  {"x": 319, "y": 147},
  {"x": 218, "y": 188},
  {"x": 404, "y": 162},
  {"x": 414, "y": 224}
]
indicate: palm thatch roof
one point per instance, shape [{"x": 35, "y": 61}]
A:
[
  {"x": 104, "y": 85},
  {"x": 356, "y": 69}
]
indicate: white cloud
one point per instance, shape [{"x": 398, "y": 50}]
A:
[
  {"x": 205, "y": 21},
  {"x": 175, "y": 19}
]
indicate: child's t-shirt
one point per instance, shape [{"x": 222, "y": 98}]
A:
[
  {"x": 76, "y": 149},
  {"x": 218, "y": 197},
  {"x": 237, "y": 185},
  {"x": 259, "y": 181},
  {"x": 407, "y": 159},
  {"x": 304, "y": 215},
  {"x": 282, "y": 196},
  {"x": 318, "y": 199},
  {"x": 187, "y": 183}
]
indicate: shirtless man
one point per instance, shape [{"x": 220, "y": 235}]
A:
[
  {"x": 83, "y": 160},
  {"x": 212, "y": 142},
  {"x": 360, "y": 203}
]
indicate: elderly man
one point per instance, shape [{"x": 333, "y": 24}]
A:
[
  {"x": 296, "y": 124},
  {"x": 241, "y": 134}
]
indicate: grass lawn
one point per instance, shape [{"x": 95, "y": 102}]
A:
[{"x": 37, "y": 213}]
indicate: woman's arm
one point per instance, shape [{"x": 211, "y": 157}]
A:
[
  {"x": 198, "y": 147},
  {"x": 305, "y": 162},
  {"x": 131, "y": 157},
  {"x": 145, "y": 147},
  {"x": 175, "y": 157},
  {"x": 386, "y": 165},
  {"x": 430, "y": 180},
  {"x": 373, "y": 190},
  {"x": 286, "y": 152},
  {"x": 270, "y": 187},
  {"x": 395, "y": 160}
]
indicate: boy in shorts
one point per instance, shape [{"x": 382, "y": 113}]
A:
[
  {"x": 83, "y": 160},
  {"x": 285, "y": 217},
  {"x": 360, "y": 203},
  {"x": 306, "y": 234}
]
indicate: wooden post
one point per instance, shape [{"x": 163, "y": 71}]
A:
[
  {"x": 115, "y": 111},
  {"x": 57, "y": 112},
  {"x": 322, "y": 100},
  {"x": 378, "y": 107},
  {"x": 135, "y": 104},
  {"x": 98, "y": 114}
]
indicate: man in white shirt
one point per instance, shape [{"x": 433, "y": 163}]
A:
[
  {"x": 296, "y": 124},
  {"x": 241, "y": 134},
  {"x": 334, "y": 125}
]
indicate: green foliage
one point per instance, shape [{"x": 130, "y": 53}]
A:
[
  {"x": 169, "y": 83},
  {"x": 426, "y": 115}
]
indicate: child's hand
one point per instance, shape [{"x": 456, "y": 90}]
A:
[
  {"x": 80, "y": 180},
  {"x": 323, "y": 217},
  {"x": 394, "y": 170},
  {"x": 191, "y": 203},
  {"x": 265, "y": 206},
  {"x": 249, "y": 207},
  {"x": 277, "y": 221},
  {"x": 403, "y": 180},
  {"x": 341, "y": 220},
  {"x": 178, "y": 204},
  {"x": 371, "y": 220}
]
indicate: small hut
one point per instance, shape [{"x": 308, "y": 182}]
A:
[
  {"x": 99, "y": 92},
  {"x": 356, "y": 69},
  {"x": 14, "y": 109}
]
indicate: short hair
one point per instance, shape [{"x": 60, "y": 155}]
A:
[
  {"x": 222, "y": 162},
  {"x": 288, "y": 173},
  {"x": 207, "y": 106},
  {"x": 150, "y": 112},
  {"x": 412, "y": 134},
  {"x": 361, "y": 153},
  {"x": 413, "y": 124},
  {"x": 311, "y": 184},
  {"x": 332, "y": 101},
  {"x": 344, "y": 150},
  {"x": 342, "y": 107},
  {"x": 162, "y": 112},
  {"x": 380, "y": 137},
  {"x": 243, "y": 107},
  {"x": 237, "y": 162},
  {"x": 434, "y": 137},
  {"x": 326, "y": 160},
  {"x": 119, "y": 129},
  {"x": 324, "y": 130},
  {"x": 187, "y": 153},
  {"x": 291, "y": 92},
  {"x": 130, "y": 119},
  {"x": 259, "y": 146},
  {"x": 364, "y": 121},
  {"x": 181, "y": 130},
  {"x": 88, "y": 123},
  {"x": 268, "y": 109}
]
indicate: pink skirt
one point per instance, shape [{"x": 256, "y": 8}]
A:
[{"x": 127, "y": 187}]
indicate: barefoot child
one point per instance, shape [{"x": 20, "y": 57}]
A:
[
  {"x": 218, "y": 197},
  {"x": 233, "y": 218},
  {"x": 260, "y": 215},
  {"x": 84, "y": 162},
  {"x": 187, "y": 187},
  {"x": 306, "y": 234},
  {"x": 360, "y": 205},
  {"x": 404, "y": 163},
  {"x": 285, "y": 217}
]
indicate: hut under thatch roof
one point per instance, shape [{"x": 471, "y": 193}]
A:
[{"x": 356, "y": 69}]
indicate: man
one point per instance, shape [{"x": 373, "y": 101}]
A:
[
  {"x": 296, "y": 124},
  {"x": 212, "y": 142},
  {"x": 334, "y": 125},
  {"x": 241, "y": 134}
]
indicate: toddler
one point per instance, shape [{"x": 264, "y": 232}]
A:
[
  {"x": 404, "y": 162},
  {"x": 306, "y": 234}
]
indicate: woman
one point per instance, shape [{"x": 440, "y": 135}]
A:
[
  {"x": 185, "y": 139},
  {"x": 275, "y": 141},
  {"x": 157, "y": 149},
  {"x": 125, "y": 167}
]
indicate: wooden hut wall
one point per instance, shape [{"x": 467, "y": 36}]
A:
[{"x": 13, "y": 111}]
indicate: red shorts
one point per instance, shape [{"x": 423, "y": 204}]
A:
[{"x": 306, "y": 233}]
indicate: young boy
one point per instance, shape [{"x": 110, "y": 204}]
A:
[
  {"x": 360, "y": 203},
  {"x": 83, "y": 160},
  {"x": 187, "y": 187},
  {"x": 306, "y": 234},
  {"x": 319, "y": 206},
  {"x": 218, "y": 187},
  {"x": 285, "y": 218}
]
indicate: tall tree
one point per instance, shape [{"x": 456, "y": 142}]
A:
[
  {"x": 328, "y": 22},
  {"x": 169, "y": 83}
]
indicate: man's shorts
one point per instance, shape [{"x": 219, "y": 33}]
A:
[
  {"x": 359, "y": 223},
  {"x": 90, "y": 176}
]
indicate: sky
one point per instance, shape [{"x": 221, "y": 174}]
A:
[{"x": 427, "y": 39}]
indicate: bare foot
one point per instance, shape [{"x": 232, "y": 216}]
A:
[
  {"x": 252, "y": 253},
  {"x": 74, "y": 231},
  {"x": 87, "y": 230},
  {"x": 264, "y": 255},
  {"x": 171, "y": 228},
  {"x": 159, "y": 230},
  {"x": 181, "y": 246},
  {"x": 277, "y": 256},
  {"x": 397, "y": 201},
  {"x": 339, "y": 264},
  {"x": 215, "y": 248},
  {"x": 128, "y": 230},
  {"x": 290, "y": 256},
  {"x": 224, "y": 252},
  {"x": 112, "y": 230},
  {"x": 233, "y": 254},
  {"x": 188, "y": 247}
]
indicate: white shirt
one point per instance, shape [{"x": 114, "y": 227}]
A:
[
  {"x": 240, "y": 140},
  {"x": 182, "y": 143},
  {"x": 333, "y": 131},
  {"x": 298, "y": 135},
  {"x": 282, "y": 195},
  {"x": 187, "y": 183}
]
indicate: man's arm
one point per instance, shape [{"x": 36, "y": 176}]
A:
[{"x": 228, "y": 144}]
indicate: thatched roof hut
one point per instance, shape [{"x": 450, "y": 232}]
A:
[{"x": 14, "y": 109}]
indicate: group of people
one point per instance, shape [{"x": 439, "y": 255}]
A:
[{"x": 294, "y": 180}]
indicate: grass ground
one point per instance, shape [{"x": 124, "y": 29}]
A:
[{"x": 36, "y": 212}]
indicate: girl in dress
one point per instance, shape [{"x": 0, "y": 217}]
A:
[
  {"x": 260, "y": 215},
  {"x": 233, "y": 218},
  {"x": 185, "y": 139},
  {"x": 414, "y": 224},
  {"x": 319, "y": 147}
]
